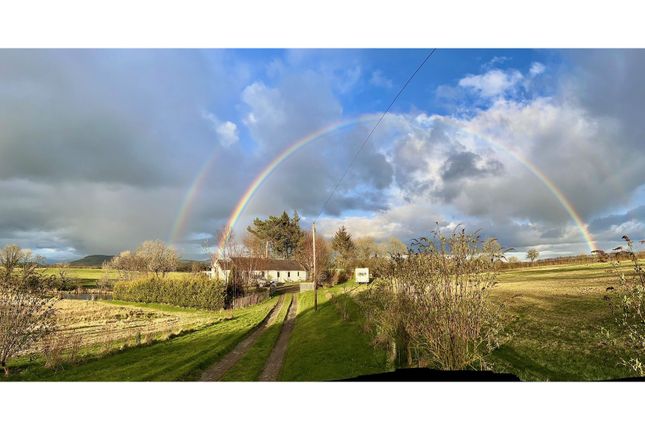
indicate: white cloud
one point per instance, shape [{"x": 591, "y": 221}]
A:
[
  {"x": 492, "y": 83},
  {"x": 378, "y": 79},
  {"x": 537, "y": 69},
  {"x": 226, "y": 131}
]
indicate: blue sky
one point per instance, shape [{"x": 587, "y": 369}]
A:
[{"x": 99, "y": 148}]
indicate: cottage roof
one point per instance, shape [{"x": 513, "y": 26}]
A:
[{"x": 253, "y": 263}]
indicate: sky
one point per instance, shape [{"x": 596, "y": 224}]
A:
[{"x": 103, "y": 149}]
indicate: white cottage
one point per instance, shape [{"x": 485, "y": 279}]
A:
[{"x": 269, "y": 269}]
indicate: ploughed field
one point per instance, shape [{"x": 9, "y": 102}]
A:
[{"x": 555, "y": 314}]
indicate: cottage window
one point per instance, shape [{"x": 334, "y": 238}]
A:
[
  {"x": 288, "y": 274},
  {"x": 278, "y": 274}
]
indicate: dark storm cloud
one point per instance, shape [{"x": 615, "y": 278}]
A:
[
  {"x": 114, "y": 117},
  {"x": 601, "y": 224},
  {"x": 467, "y": 164},
  {"x": 97, "y": 148}
]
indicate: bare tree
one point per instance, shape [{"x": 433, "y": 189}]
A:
[
  {"x": 305, "y": 254},
  {"x": 158, "y": 257},
  {"x": 366, "y": 248},
  {"x": 128, "y": 264},
  {"x": 152, "y": 256},
  {"x": 393, "y": 246},
  {"x": 532, "y": 254},
  {"x": 13, "y": 257},
  {"x": 10, "y": 258},
  {"x": 26, "y": 313}
]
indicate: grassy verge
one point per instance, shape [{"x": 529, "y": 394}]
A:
[
  {"x": 250, "y": 367},
  {"x": 180, "y": 358},
  {"x": 324, "y": 346}
]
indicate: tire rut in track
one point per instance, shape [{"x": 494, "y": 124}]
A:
[
  {"x": 274, "y": 362},
  {"x": 216, "y": 371}
]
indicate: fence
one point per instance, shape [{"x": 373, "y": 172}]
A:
[{"x": 251, "y": 299}]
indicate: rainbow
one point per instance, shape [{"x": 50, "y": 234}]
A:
[
  {"x": 282, "y": 156},
  {"x": 312, "y": 137},
  {"x": 559, "y": 195},
  {"x": 186, "y": 207}
]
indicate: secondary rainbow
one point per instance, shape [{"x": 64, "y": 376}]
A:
[{"x": 187, "y": 204}]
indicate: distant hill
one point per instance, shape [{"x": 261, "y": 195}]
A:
[{"x": 91, "y": 261}]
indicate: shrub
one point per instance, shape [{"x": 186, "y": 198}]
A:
[
  {"x": 629, "y": 308},
  {"x": 431, "y": 308},
  {"x": 339, "y": 276},
  {"x": 193, "y": 291},
  {"x": 27, "y": 314}
]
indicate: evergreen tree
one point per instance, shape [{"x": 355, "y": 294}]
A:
[
  {"x": 343, "y": 244},
  {"x": 283, "y": 233}
]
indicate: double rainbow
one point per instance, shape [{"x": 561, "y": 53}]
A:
[{"x": 243, "y": 202}]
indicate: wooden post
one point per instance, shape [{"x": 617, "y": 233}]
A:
[{"x": 313, "y": 231}]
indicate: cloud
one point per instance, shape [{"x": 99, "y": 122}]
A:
[
  {"x": 226, "y": 131},
  {"x": 299, "y": 104},
  {"x": 493, "y": 83},
  {"x": 620, "y": 221},
  {"x": 99, "y": 150},
  {"x": 379, "y": 80},
  {"x": 537, "y": 69}
]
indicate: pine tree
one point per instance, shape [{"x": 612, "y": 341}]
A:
[
  {"x": 343, "y": 244},
  {"x": 283, "y": 233}
]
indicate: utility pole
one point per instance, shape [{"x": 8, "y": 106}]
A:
[{"x": 313, "y": 231}]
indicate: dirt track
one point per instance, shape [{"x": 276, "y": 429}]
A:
[
  {"x": 217, "y": 370},
  {"x": 275, "y": 360}
]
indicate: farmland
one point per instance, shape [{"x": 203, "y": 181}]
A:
[
  {"x": 87, "y": 277},
  {"x": 555, "y": 314}
]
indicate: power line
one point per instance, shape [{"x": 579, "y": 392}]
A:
[{"x": 349, "y": 166}]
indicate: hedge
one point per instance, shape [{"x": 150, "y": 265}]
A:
[{"x": 193, "y": 292}]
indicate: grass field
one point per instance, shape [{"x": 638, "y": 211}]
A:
[
  {"x": 87, "y": 277},
  {"x": 557, "y": 313},
  {"x": 179, "y": 358}
]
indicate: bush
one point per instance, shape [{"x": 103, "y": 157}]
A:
[
  {"x": 432, "y": 309},
  {"x": 193, "y": 291},
  {"x": 629, "y": 310},
  {"x": 339, "y": 276}
]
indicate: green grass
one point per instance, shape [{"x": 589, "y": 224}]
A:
[
  {"x": 556, "y": 315},
  {"x": 250, "y": 367},
  {"x": 180, "y": 358},
  {"x": 323, "y": 346},
  {"x": 87, "y": 277}
]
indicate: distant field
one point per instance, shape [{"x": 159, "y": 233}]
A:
[{"x": 87, "y": 277}]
